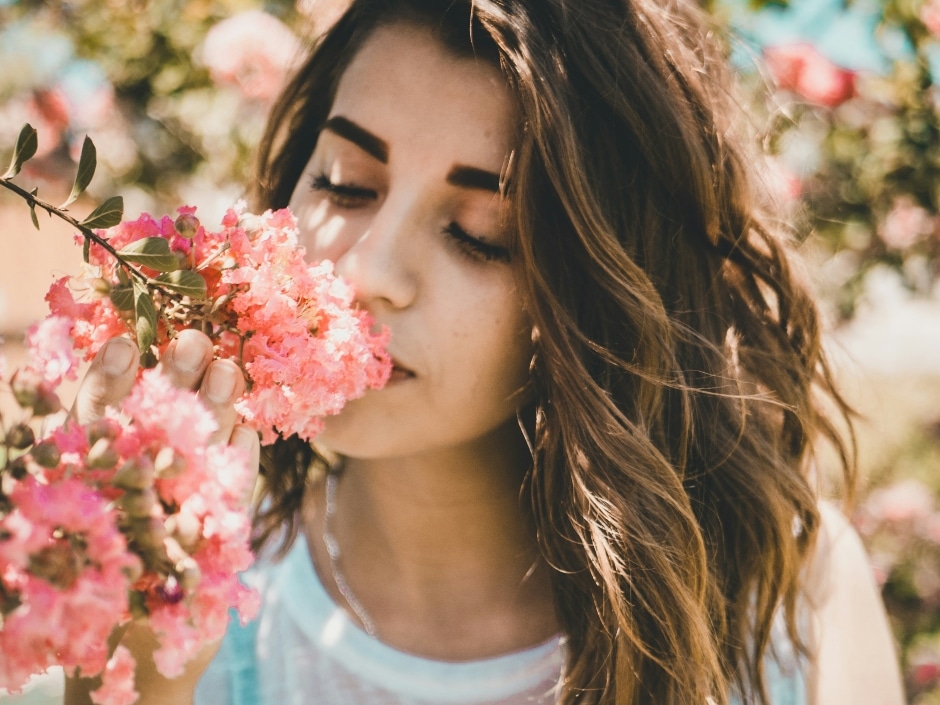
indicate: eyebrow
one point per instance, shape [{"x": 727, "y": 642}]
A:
[
  {"x": 463, "y": 176},
  {"x": 359, "y": 136},
  {"x": 471, "y": 177}
]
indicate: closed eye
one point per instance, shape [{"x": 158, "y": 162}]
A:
[
  {"x": 476, "y": 248},
  {"x": 343, "y": 195}
]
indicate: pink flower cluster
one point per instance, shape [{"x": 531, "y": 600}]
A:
[
  {"x": 802, "y": 69},
  {"x": 63, "y": 559},
  {"x": 291, "y": 325},
  {"x": 253, "y": 51},
  {"x": 131, "y": 516}
]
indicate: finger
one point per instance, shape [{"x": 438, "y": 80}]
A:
[
  {"x": 186, "y": 358},
  {"x": 246, "y": 438},
  {"x": 222, "y": 384},
  {"x": 109, "y": 379}
]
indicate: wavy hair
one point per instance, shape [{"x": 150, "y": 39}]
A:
[{"x": 678, "y": 376}]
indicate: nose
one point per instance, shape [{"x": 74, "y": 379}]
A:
[{"x": 378, "y": 261}]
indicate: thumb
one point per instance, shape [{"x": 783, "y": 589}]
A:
[{"x": 108, "y": 380}]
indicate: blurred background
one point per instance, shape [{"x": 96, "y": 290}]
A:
[{"x": 174, "y": 94}]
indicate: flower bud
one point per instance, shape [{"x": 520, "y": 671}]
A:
[
  {"x": 47, "y": 402},
  {"x": 133, "y": 571},
  {"x": 25, "y": 389},
  {"x": 168, "y": 463},
  {"x": 135, "y": 474},
  {"x": 148, "y": 534},
  {"x": 101, "y": 286},
  {"x": 102, "y": 455},
  {"x": 189, "y": 573},
  {"x": 174, "y": 551},
  {"x": 171, "y": 591},
  {"x": 30, "y": 391},
  {"x": 138, "y": 504},
  {"x": 20, "y": 437},
  {"x": 59, "y": 564},
  {"x": 186, "y": 225},
  {"x": 46, "y": 454},
  {"x": 100, "y": 428},
  {"x": 18, "y": 468},
  {"x": 184, "y": 528}
]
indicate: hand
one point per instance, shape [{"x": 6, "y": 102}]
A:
[{"x": 188, "y": 363}]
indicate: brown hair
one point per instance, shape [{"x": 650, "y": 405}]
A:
[{"x": 678, "y": 357}]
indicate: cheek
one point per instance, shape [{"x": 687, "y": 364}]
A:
[
  {"x": 498, "y": 351},
  {"x": 321, "y": 233}
]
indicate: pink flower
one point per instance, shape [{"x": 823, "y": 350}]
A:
[
  {"x": 309, "y": 350},
  {"x": 802, "y": 69},
  {"x": 905, "y": 501},
  {"x": 64, "y": 559},
  {"x": 930, "y": 16},
  {"x": 906, "y": 223},
  {"x": 117, "y": 680},
  {"x": 93, "y": 323},
  {"x": 49, "y": 350},
  {"x": 252, "y": 51}
]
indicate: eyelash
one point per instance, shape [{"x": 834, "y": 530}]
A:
[
  {"x": 475, "y": 248},
  {"x": 342, "y": 195},
  {"x": 348, "y": 196}
]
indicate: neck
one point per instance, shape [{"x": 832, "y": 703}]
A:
[{"x": 438, "y": 546}]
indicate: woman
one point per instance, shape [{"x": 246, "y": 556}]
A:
[{"x": 587, "y": 478}]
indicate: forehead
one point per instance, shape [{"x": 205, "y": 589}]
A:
[{"x": 404, "y": 85}]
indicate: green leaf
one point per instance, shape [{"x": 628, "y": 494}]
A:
[
  {"x": 86, "y": 249},
  {"x": 86, "y": 169},
  {"x": 26, "y": 143},
  {"x": 153, "y": 252},
  {"x": 107, "y": 215},
  {"x": 185, "y": 282},
  {"x": 146, "y": 316},
  {"x": 122, "y": 296},
  {"x": 123, "y": 276},
  {"x": 32, "y": 214}
]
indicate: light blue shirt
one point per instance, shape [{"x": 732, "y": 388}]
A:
[{"x": 304, "y": 649}]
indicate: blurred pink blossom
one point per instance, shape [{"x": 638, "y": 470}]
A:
[
  {"x": 905, "y": 501},
  {"x": 253, "y": 51},
  {"x": 906, "y": 223},
  {"x": 49, "y": 346},
  {"x": 802, "y": 69},
  {"x": 117, "y": 680},
  {"x": 51, "y": 113},
  {"x": 930, "y": 15}
]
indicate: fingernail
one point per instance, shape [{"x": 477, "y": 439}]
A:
[
  {"x": 118, "y": 356},
  {"x": 187, "y": 357},
  {"x": 221, "y": 383}
]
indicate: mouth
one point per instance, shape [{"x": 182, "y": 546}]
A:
[{"x": 400, "y": 373}]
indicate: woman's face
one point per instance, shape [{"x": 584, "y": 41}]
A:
[{"x": 401, "y": 193}]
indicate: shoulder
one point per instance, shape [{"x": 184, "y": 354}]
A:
[{"x": 853, "y": 659}]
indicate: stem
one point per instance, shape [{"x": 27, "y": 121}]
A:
[{"x": 87, "y": 233}]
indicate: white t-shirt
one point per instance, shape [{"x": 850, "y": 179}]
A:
[{"x": 304, "y": 649}]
